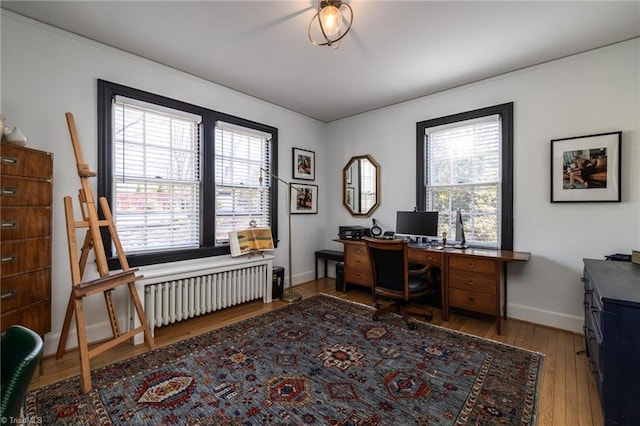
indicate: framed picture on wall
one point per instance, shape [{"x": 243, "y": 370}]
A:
[
  {"x": 304, "y": 164},
  {"x": 586, "y": 168},
  {"x": 304, "y": 198}
]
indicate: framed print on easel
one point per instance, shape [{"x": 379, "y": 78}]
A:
[
  {"x": 304, "y": 164},
  {"x": 586, "y": 168}
]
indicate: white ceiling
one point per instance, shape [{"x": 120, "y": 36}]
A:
[{"x": 396, "y": 50}]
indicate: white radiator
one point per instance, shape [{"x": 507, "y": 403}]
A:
[{"x": 181, "y": 290}]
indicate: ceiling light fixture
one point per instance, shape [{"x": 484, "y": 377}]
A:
[{"x": 330, "y": 20}]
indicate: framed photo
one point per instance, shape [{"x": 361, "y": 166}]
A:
[
  {"x": 304, "y": 198},
  {"x": 304, "y": 164},
  {"x": 586, "y": 168}
]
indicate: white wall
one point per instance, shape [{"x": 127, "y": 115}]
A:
[
  {"x": 47, "y": 72},
  {"x": 590, "y": 93}
]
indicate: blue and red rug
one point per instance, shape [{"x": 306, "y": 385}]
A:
[{"x": 321, "y": 361}]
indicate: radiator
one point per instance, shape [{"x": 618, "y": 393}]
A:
[{"x": 181, "y": 290}]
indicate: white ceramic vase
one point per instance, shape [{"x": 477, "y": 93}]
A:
[{"x": 16, "y": 137}]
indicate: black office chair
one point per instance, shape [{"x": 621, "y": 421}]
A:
[{"x": 393, "y": 279}]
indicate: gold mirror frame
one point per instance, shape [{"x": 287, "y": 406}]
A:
[{"x": 360, "y": 194}]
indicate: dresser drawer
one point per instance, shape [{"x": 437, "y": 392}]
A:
[
  {"x": 472, "y": 301},
  {"x": 36, "y": 317},
  {"x": 18, "y": 161},
  {"x": 17, "y": 191},
  {"x": 21, "y": 290},
  {"x": 593, "y": 337},
  {"x": 425, "y": 257},
  {"x": 472, "y": 264},
  {"x": 474, "y": 281},
  {"x": 24, "y": 255},
  {"x": 24, "y": 222}
]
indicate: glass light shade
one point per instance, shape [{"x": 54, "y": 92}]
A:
[{"x": 330, "y": 17}]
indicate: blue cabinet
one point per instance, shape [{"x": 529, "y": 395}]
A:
[{"x": 612, "y": 335}]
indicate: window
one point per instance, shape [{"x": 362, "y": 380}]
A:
[
  {"x": 465, "y": 162},
  {"x": 242, "y": 156},
  {"x": 179, "y": 177},
  {"x": 156, "y": 177}
]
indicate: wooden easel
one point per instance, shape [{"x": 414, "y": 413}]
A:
[{"x": 107, "y": 282}]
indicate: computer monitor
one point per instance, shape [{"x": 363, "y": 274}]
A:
[{"x": 417, "y": 225}]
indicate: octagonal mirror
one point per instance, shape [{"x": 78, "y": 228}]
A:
[{"x": 361, "y": 185}]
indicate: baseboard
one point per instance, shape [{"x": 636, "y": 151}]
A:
[
  {"x": 95, "y": 333},
  {"x": 551, "y": 319}
]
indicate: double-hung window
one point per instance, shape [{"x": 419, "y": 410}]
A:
[
  {"x": 156, "y": 177},
  {"x": 465, "y": 163},
  {"x": 178, "y": 177},
  {"x": 242, "y": 157}
]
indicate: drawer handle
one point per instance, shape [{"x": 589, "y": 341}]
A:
[
  {"x": 358, "y": 262},
  {"x": 471, "y": 265},
  {"x": 9, "y": 224},
  {"x": 9, "y": 191},
  {"x": 470, "y": 281},
  {"x": 9, "y": 161},
  {"x": 12, "y": 293},
  {"x": 8, "y": 259},
  {"x": 471, "y": 299}
]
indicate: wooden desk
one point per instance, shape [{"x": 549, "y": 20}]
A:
[{"x": 471, "y": 279}]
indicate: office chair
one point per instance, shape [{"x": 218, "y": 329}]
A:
[
  {"x": 21, "y": 352},
  {"x": 392, "y": 279}
]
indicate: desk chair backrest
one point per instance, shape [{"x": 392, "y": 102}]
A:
[
  {"x": 390, "y": 265},
  {"x": 21, "y": 350}
]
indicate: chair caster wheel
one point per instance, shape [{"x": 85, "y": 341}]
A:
[
  {"x": 411, "y": 326},
  {"x": 428, "y": 317},
  {"x": 377, "y": 306},
  {"x": 375, "y": 318}
]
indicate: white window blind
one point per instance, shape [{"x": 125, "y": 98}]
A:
[
  {"x": 156, "y": 179},
  {"x": 240, "y": 198},
  {"x": 464, "y": 172}
]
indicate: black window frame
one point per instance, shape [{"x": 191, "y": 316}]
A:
[
  {"x": 107, "y": 91},
  {"x": 505, "y": 111}
]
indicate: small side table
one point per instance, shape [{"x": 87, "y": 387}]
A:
[{"x": 327, "y": 255}]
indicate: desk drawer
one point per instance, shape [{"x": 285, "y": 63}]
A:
[
  {"x": 473, "y": 301},
  {"x": 472, "y": 264},
  {"x": 474, "y": 281},
  {"x": 356, "y": 250},
  {"x": 424, "y": 257},
  {"x": 358, "y": 276}
]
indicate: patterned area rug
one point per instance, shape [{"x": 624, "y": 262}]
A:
[{"x": 321, "y": 361}]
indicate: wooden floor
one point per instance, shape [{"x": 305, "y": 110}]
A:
[{"x": 567, "y": 396}]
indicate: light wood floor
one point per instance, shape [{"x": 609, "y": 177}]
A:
[{"x": 567, "y": 396}]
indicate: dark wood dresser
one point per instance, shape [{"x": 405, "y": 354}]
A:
[
  {"x": 612, "y": 335},
  {"x": 25, "y": 237}
]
